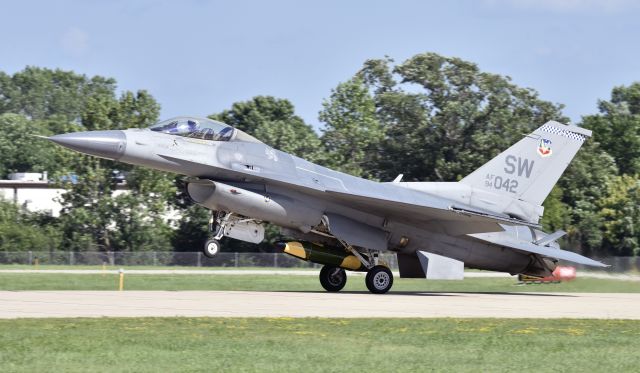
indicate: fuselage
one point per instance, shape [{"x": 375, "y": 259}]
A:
[{"x": 299, "y": 186}]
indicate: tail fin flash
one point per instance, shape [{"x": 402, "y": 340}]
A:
[{"x": 529, "y": 169}]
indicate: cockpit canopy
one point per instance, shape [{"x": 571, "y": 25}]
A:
[{"x": 199, "y": 128}]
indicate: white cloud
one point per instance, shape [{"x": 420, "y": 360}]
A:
[
  {"x": 568, "y": 6},
  {"x": 75, "y": 42}
]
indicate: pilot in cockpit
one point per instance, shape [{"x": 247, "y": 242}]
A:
[{"x": 201, "y": 128}]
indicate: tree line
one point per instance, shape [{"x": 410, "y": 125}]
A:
[{"x": 431, "y": 118}]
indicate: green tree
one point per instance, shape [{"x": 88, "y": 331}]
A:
[
  {"x": 556, "y": 213},
  {"x": 617, "y": 127},
  {"x": 584, "y": 185},
  {"x": 21, "y": 150},
  {"x": 352, "y": 132},
  {"x": 94, "y": 217},
  {"x": 192, "y": 230},
  {"x": 21, "y": 230},
  {"x": 620, "y": 211},
  {"x": 40, "y": 93},
  {"x": 443, "y": 117},
  {"x": 274, "y": 122}
]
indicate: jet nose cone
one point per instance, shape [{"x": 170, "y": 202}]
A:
[{"x": 104, "y": 144}]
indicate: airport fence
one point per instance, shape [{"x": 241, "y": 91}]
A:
[
  {"x": 233, "y": 259},
  {"x": 163, "y": 258}
]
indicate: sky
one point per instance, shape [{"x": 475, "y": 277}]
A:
[{"x": 198, "y": 57}]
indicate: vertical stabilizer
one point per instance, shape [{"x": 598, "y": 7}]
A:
[{"x": 529, "y": 169}]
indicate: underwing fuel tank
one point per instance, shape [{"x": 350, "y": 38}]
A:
[
  {"x": 321, "y": 254},
  {"x": 274, "y": 208}
]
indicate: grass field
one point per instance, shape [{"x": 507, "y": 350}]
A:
[
  {"x": 51, "y": 281},
  {"x": 314, "y": 345}
]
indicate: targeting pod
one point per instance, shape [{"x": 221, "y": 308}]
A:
[{"x": 322, "y": 254}]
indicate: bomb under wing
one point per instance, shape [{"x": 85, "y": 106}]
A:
[
  {"x": 333, "y": 256},
  {"x": 489, "y": 220}
]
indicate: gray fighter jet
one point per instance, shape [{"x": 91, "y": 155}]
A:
[{"x": 488, "y": 220}]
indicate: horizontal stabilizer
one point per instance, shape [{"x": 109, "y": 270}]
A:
[{"x": 537, "y": 249}]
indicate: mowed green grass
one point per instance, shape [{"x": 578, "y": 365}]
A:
[
  {"x": 318, "y": 345},
  {"x": 109, "y": 281}
]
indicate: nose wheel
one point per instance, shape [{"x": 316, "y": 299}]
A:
[
  {"x": 333, "y": 278},
  {"x": 379, "y": 279},
  {"x": 211, "y": 248}
]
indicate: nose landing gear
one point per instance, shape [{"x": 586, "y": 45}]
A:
[
  {"x": 226, "y": 224},
  {"x": 217, "y": 223},
  {"x": 211, "y": 248}
]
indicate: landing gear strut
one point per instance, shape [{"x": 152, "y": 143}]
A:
[
  {"x": 333, "y": 278},
  {"x": 379, "y": 278},
  {"x": 216, "y": 224}
]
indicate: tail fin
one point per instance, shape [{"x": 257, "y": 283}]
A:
[{"x": 529, "y": 169}]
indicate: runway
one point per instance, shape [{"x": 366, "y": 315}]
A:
[
  {"x": 284, "y": 272},
  {"x": 43, "y": 304},
  {"x": 226, "y": 272}
]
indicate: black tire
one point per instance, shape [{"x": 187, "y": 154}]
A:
[
  {"x": 211, "y": 248},
  {"x": 379, "y": 279},
  {"x": 333, "y": 278}
]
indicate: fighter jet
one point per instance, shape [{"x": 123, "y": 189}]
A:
[{"x": 489, "y": 220}]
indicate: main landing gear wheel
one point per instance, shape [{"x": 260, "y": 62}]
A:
[
  {"x": 379, "y": 279},
  {"x": 211, "y": 248},
  {"x": 333, "y": 278}
]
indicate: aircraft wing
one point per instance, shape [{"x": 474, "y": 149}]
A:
[
  {"x": 422, "y": 208},
  {"x": 530, "y": 247},
  {"x": 388, "y": 201}
]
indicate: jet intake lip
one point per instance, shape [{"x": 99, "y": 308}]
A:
[{"x": 103, "y": 144}]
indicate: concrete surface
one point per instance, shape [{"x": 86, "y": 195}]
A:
[
  {"x": 40, "y": 304},
  {"x": 290, "y": 272},
  {"x": 230, "y": 272}
]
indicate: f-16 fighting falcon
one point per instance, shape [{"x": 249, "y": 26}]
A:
[{"x": 488, "y": 220}]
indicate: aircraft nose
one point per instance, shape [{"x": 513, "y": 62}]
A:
[{"x": 103, "y": 144}]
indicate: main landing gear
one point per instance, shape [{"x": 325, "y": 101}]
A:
[
  {"x": 379, "y": 279},
  {"x": 333, "y": 278}
]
